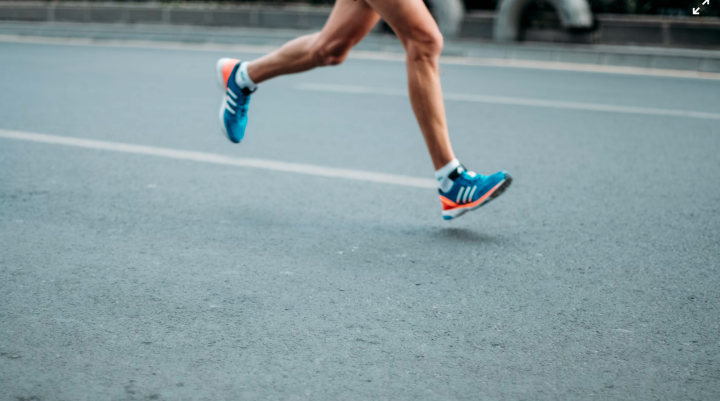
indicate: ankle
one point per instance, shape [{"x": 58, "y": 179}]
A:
[
  {"x": 242, "y": 77},
  {"x": 445, "y": 174}
]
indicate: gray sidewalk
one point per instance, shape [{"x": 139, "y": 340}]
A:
[{"x": 632, "y": 56}]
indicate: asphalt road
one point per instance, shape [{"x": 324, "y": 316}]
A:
[{"x": 131, "y": 277}]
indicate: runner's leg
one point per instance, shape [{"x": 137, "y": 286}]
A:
[
  {"x": 419, "y": 34},
  {"x": 460, "y": 190},
  {"x": 348, "y": 23}
]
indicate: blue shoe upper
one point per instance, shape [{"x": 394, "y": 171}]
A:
[
  {"x": 469, "y": 187},
  {"x": 236, "y": 108}
]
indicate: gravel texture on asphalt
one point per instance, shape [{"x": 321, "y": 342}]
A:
[{"x": 130, "y": 277}]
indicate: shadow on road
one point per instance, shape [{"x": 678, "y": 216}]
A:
[{"x": 464, "y": 234}]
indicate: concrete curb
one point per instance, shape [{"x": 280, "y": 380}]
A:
[
  {"x": 619, "y": 56},
  {"x": 696, "y": 32}
]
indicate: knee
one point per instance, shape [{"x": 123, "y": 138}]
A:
[
  {"x": 424, "y": 45},
  {"x": 331, "y": 52}
]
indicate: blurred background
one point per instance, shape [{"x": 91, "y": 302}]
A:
[
  {"x": 639, "y": 7},
  {"x": 665, "y": 23}
]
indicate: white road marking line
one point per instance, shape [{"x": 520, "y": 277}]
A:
[
  {"x": 224, "y": 160},
  {"x": 577, "y": 67},
  {"x": 515, "y": 101},
  {"x": 371, "y": 55}
]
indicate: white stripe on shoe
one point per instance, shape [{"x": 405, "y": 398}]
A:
[
  {"x": 459, "y": 195},
  {"x": 231, "y": 93},
  {"x": 465, "y": 197},
  {"x": 472, "y": 193}
]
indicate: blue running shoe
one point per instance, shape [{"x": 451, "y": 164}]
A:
[
  {"x": 470, "y": 191},
  {"x": 234, "y": 107}
]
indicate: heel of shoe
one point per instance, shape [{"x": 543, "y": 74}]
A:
[{"x": 219, "y": 72}]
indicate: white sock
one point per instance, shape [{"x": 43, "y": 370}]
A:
[
  {"x": 242, "y": 79},
  {"x": 442, "y": 175}
]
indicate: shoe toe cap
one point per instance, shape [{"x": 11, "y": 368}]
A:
[{"x": 234, "y": 129}]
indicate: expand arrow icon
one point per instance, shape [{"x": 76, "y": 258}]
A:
[
  {"x": 706, "y": 2},
  {"x": 696, "y": 11}
]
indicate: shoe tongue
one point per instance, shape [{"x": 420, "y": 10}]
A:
[{"x": 471, "y": 174}]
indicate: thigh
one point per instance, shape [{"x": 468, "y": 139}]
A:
[
  {"x": 349, "y": 21},
  {"x": 408, "y": 18}
]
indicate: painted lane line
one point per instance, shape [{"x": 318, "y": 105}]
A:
[
  {"x": 514, "y": 101},
  {"x": 577, "y": 67},
  {"x": 202, "y": 157},
  {"x": 370, "y": 55},
  {"x": 543, "y": 65}
]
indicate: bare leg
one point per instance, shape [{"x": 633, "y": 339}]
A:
[
  {"x": 419, "y": 34},
  {"x": 349, "y": 22}
]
